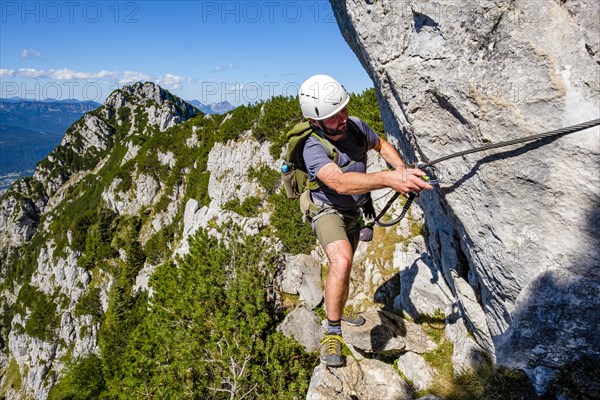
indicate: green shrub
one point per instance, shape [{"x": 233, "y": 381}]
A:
[
  {"x": 366, "y": 107},
  {"x": 241, "y": 119},
  {"x": 280, "y": 114},
  {"x": 83, "y": 380},
  {"x": 89, "y": 304},
  {"x": 220, "y": 319},
  {"x": 295, "y": 234},
  {"x": 248, "y": 208},
  {"x": 267, "y": 177},
  {"x": 11, "y": 377},
  {"x": 43, "y": 320},
  {"x": 79, "y": 229},
  {"x": 158, "y": 247}
]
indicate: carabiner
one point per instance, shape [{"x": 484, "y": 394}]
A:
[{"x": 433, "y": 176}]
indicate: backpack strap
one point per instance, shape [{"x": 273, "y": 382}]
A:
[{"x": 332, "y": 153}]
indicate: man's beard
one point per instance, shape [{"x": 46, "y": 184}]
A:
[{"x": 334, "y": 132}]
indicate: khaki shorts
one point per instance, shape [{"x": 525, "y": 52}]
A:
[
  {"x": 335, "y": 226},
  {"x": 331, "y": 224}
]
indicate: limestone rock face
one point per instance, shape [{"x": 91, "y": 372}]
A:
[
  {"x": 228, "y": 165},
  {"x": 514, "y": 231},
  {"x": 144, "y": 193},
  {"x": 18, "y": 220},
  {"x": 37, "y": 355}
]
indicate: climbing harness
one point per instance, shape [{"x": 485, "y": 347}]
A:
[{"x": 433, "y": 175}]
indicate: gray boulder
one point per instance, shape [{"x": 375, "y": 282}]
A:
[
  {"x": 304, "y": 326},
  {"x": 416, "y": 369},
  {"x": 386, "y": 334},
  {"x": 302, "y": 275},
  {"x": 364, "y": 380}
]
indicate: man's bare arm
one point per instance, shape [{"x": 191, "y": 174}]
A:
[
  {"x": 401, "y": 180},
  {"x": 389, "y": 154}
]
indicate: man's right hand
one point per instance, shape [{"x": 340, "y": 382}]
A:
[{"x": 406, "y": 180}]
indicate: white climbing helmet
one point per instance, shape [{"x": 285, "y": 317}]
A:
[{"x": 321, "y": 97}]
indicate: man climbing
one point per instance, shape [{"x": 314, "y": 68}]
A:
[{"x": 344, "y": 187}]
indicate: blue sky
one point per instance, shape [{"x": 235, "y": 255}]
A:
[{"x": 239, "y": 51}]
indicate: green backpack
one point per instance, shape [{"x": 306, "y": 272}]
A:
[{"x": 293, "y": 170}]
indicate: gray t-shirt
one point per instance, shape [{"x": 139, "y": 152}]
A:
[{"x": 350, "y": 148}]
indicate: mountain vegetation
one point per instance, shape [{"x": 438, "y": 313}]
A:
[{"x": 206, "y": 324}]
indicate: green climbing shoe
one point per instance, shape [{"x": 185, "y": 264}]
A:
[{"x": 331, "y": 351}]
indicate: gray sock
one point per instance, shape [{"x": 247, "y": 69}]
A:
[{"x": 334, "y": 327}]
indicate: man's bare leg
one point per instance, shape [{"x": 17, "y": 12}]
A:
[
  {"x": 337, "y": 283},
  {"x": 337, "y": 286}
]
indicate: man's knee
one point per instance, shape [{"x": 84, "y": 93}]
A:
[
  {"x": 340, "y": 266},
  {"x": 339, "y": 255}
]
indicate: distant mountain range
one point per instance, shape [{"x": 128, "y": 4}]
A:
[
  {"x": 46, "y": 116},
  {"x": 30, "y": 129},
  {"x": 16, "y": 99},
  {"x": 214, "y": 108}
]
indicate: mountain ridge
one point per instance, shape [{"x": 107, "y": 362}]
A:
[{"x": 160, "y": 239}]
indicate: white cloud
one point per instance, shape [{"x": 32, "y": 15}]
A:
[
  {"x": 221, "y": 68},
  {"x": 66, "y": 74},
  {"x": 6, "y": 73},
  {"x": 30, "y": 53},
  {"x": 171, "y": 80},
  {"x": 63, "y": 74},
  {"x": 132, "y": 76},
  {"x": 122, "y": 78},
  {"x": 31, "y": 73}
]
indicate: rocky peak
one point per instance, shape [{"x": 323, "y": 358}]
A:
[
  {"x": 139, "y": 94},
  {"x": 163, "y": 108}
]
